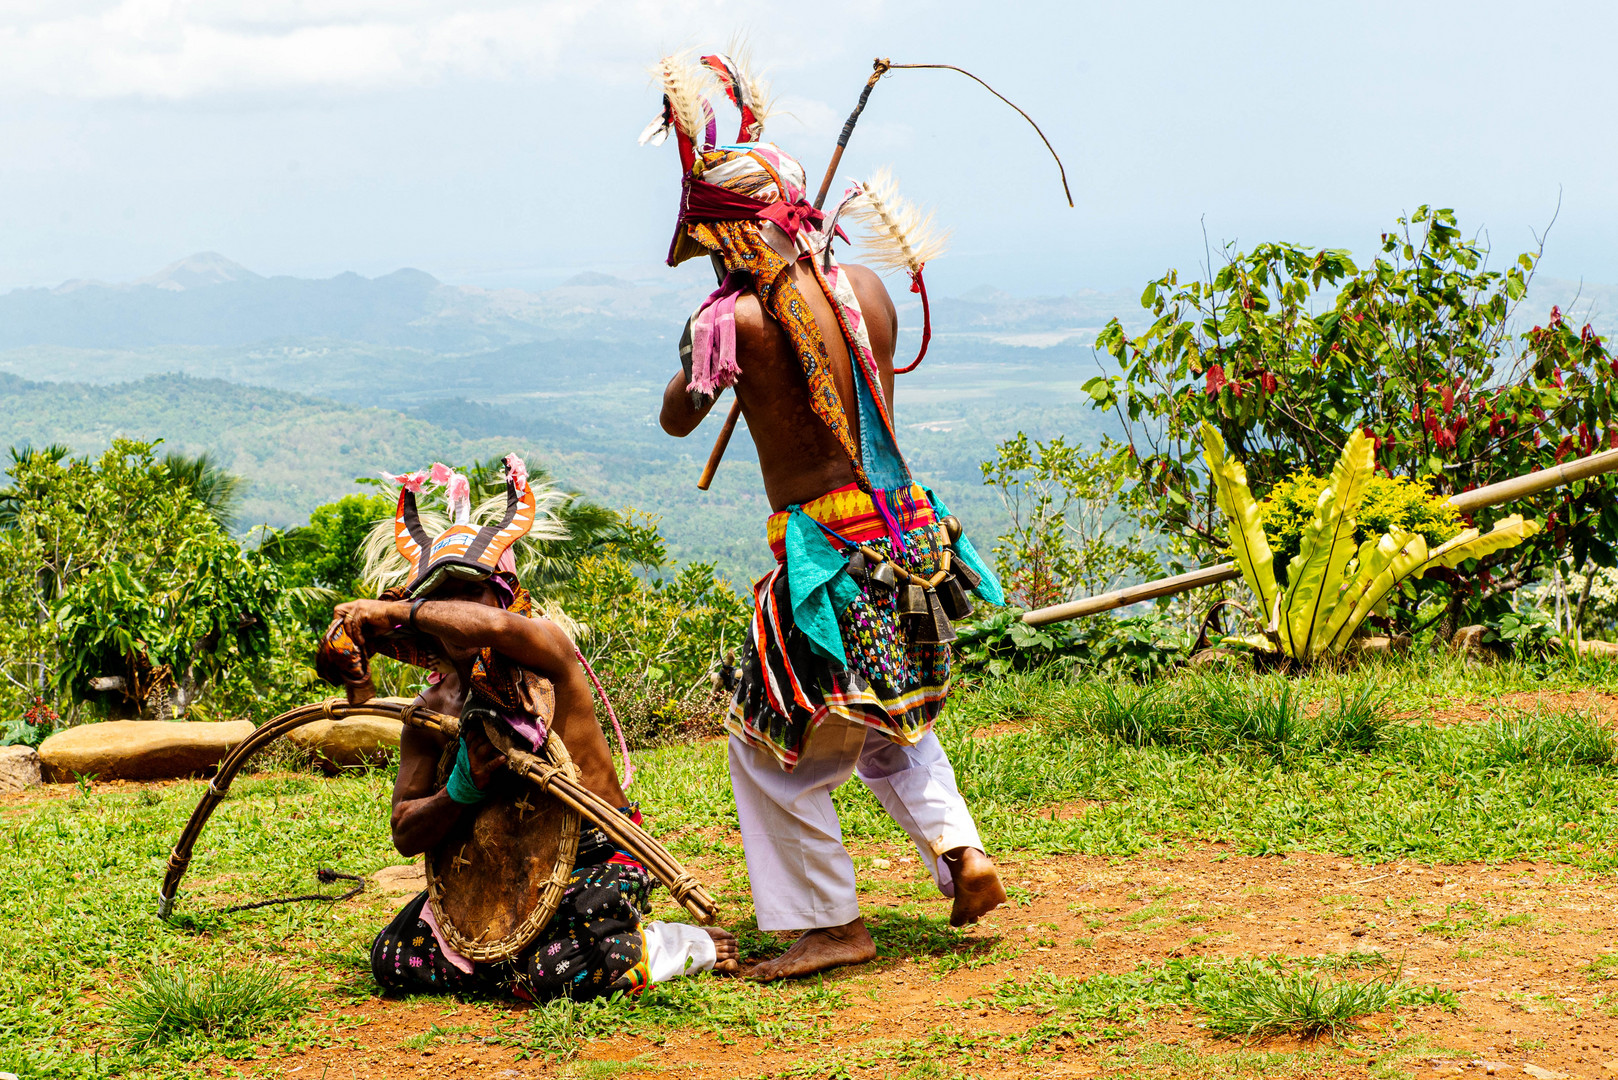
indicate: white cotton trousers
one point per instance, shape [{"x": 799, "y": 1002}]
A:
[{"x": 801, "y": 876}]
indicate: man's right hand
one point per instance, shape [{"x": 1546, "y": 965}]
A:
[{"x": 483, "y": 760}]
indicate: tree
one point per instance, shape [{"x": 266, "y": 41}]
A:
[
  {"x": 1416, "y": 350},
  {"x": 1074, "y": 522},
  {"x": 116, "y": 584},
  {"x": 322, "y": 563},
  {"x": 209, "y": 482}
]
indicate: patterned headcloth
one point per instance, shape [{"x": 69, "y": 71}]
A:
[{"x": 745, "y": 203}]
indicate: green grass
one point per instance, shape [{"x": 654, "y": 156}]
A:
[
  {"x": 167, "y": 1003},
  {"x": 1243, "y": 999},
  {"x": 1326, "y": 763},
  {"x": 1257, "y": 999}
]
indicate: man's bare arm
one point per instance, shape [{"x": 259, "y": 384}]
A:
[
  {"x": 679, "y": 417},
  {"x": 536, "y": 644},
  {"x": 423, "y": 813}
]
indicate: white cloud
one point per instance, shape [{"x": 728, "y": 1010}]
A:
[{"x": 177, "y": 49}]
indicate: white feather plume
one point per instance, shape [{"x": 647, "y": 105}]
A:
[
  {"x": 899, "y": 235},
  {"x": 685, "y": 83}
]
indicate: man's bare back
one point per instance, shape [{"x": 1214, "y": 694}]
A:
[{"x": 800, "y": 457}]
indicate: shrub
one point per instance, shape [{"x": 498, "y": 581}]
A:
[
  {"x": 1388, "y": 502},
  {"x": 1139, "y": 646},
  {"x": 655, "y": 632},
  {"x": 1075, "y": 522},
  {"x": 1289, "y": 350}
]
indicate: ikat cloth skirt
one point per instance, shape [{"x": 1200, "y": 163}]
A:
[
  {"x": 889, "y": 682},
  {"x": 591, "y": 948}
]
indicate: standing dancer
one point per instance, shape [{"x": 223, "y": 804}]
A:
[{"x": 847, "y": 660}]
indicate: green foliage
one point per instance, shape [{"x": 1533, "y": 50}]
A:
[
  {"x": 1254, "y": 999},
  {"x": 321, "y": 563},
  {"x": 210, "y": 483},
  {"x": 168, "y": 1003},
  {"x": 113, "y": 568},
  {"x": 1560, "y": 737},
  {"x": 35, "y": 724},
  {"x": 1139, "y": 646},
  {"x": 654, "y": 631},
  {"x": 1526, "y": 631},
  {"x": 1415, "y": 350},
  {"x": 1074, "y": 522},
  {"x": 1388, "y": 503},
  {"x": 1334, "y": 585},
  {"x": 1275, "y": 720},
  {"x": 1240, "y": 998}
]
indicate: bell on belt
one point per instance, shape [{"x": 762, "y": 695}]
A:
[
  {"x": 933, "y": 627},
  {"x": 956, "y": 604},
  {"x": 952, "y": 527},
  {"x": 856, "y": 565},
  {"x": 912, "y": 600},
  {"x": 883, "y": 575},
  {"x": 969, "y": 576}
]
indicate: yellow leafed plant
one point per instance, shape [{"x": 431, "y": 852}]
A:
[{"x": 1332, "y": 588}]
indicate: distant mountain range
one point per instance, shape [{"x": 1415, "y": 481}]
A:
[{"x": 207, "y": 300}]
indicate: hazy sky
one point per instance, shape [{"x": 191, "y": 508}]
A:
[{"x": 491, "y": 142}]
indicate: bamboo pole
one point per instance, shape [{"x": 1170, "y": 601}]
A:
[{"x": 1518, "y": 487}]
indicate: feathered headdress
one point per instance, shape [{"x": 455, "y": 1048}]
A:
[
  {"x": 899, "y": 237},
  {"x": 461, "y": 549}
]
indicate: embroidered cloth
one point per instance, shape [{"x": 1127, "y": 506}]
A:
[{"x": 883, "y": 680}]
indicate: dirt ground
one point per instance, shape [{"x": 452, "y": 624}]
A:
[{"x": 1513, "y": 942}]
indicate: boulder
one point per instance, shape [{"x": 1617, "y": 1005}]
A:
[
  {"x": 345, "y": 744},
  {"x": 140, "y": 749},
  {"x": 1603, "y": 649},
  {"x": 399, "y": 880},
  {"x": 1382, "y": 644},
  {"x": 1468, "y": 641},
  {"x": 19, "y": 768}
]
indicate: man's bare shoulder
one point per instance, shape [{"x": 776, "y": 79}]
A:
[
  {"x": 754, "y": 328},
  {"x": 870, "y": 290}
]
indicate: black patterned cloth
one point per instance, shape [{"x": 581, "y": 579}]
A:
[{"x": 592, "y": 947}]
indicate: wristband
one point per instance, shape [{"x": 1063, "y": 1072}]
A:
[
  {"x": 459, "y": 785},
  {"x": 415, "y": 605}
]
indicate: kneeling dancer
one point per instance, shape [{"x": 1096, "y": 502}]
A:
[
  {"x": 847, "y": 660},
  {"x": 464, "y": 615}
]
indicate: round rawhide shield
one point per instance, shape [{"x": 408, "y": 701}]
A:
[{"x": 496, "y": 880}]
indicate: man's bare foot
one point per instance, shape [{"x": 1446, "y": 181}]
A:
[
  {"x": 728, "y": 959},
  {"x": 819, "y": 950},
  {"x": 977, "y": 885}
]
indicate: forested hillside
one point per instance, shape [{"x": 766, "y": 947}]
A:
[{"x": 294, "y": 384}]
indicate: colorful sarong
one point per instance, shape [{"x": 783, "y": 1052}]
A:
[
  {"x": 885, "y": 681},
  {"x": 592, "y": 947}
]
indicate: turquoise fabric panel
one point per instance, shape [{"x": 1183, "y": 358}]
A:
[
  {"x": 817, "y": 578},
  {"x": 988, "y": 589},
  {"x": 884, "y": 466}
]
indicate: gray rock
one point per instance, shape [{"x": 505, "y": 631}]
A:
[{"x": 19, "y": 768}]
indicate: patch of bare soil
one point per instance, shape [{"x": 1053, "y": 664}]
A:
[
  {"x": 1513, "y": 943},
  {"x": 1602, "y": 706}
]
